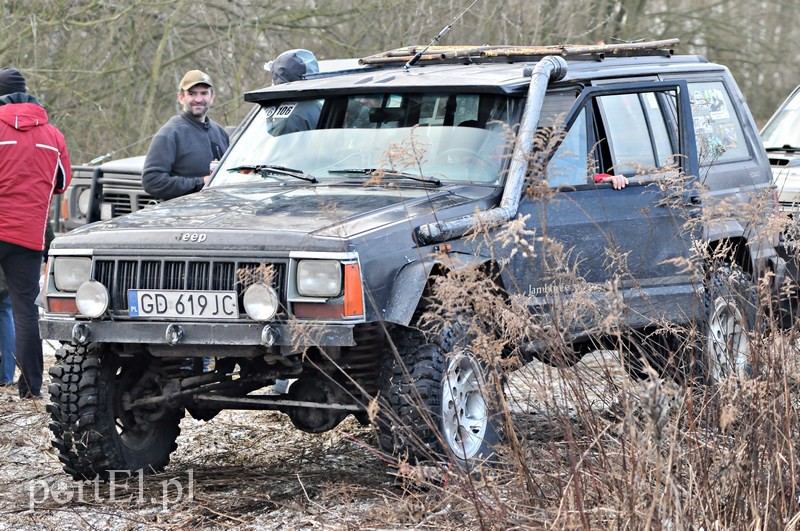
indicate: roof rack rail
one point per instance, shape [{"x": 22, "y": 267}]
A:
[{"x": 507, "y": 53}]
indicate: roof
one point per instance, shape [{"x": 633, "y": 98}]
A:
[{"x": 498, "y": 69}]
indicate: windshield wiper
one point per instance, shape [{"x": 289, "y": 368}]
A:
[
  {"x": 387, "y": 172},
  {"x": 271, "y": 169},
  {"x": 785, "y": 147}
]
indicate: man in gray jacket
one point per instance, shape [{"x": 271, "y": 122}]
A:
[{"x": 180, "y": 154}]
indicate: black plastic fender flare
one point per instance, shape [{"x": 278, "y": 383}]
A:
[
  {"x": 760, "y": 249},
  {"x": 411, "y": 280}
]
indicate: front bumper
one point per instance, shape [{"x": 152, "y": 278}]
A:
[{"x": 176, "y": 333}]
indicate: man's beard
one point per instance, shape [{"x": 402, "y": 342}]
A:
[{"x": 197, "y": 112}]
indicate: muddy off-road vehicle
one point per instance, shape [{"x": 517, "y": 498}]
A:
[
  {"x": 313, "y": 258},
  {"x": 108, "y": 190}
]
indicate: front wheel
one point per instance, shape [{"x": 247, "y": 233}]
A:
[
  {"x": 96, "y": 429},
  {"x": 466, "y": 412},
  {"x": 442, "y": 402}
]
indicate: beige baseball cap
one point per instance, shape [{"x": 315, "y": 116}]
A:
[{"x": 195, "y": 77}]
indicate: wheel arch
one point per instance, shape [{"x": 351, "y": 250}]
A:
[
  {"x": 732, "y": 249},
  {"x": 414, "y": 279},
  {"x": 746, "y": 247}
]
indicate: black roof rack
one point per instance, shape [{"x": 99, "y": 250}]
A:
[{"x": 506, "y": 53}]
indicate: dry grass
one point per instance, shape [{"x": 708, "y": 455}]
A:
[
  {"x": 598, "y": 450},
  {"x": 587, "y": 446}
]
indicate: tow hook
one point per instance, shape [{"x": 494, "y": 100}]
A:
[
  {"x": 173, "y": 334},
  {"x": 269, "y": 336},
  {"x": 80, "y": 333}
]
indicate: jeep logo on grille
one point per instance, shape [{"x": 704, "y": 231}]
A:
[{"x": 192, "y": 237}]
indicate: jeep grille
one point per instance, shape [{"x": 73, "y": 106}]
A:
[
  {"x": 123, "y": 274},
  {"x": 125, "y": 204}
]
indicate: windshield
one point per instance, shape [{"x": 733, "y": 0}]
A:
[
  {"x": 783, "y": 129},
  {"x": 436, "y": 137}
]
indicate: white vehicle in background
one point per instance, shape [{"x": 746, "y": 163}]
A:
[{"x": 781, "y": 138}]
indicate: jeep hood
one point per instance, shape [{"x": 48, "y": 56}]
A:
[{"x": 324, "y": 211}]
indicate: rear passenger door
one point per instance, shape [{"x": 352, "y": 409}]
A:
[
  {"x": 635, "y": 236},
  {"x": 733, "y": 165}
]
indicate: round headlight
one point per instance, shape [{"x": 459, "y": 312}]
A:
[
  {"x": 92, "y": 299},
  {"x": 83, "y": 201},
  {"x": 260, "y": 302}
]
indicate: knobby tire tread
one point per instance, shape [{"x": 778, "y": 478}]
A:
[{"x": 84, "y": 433}]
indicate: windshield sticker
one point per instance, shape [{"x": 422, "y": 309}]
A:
[
  {"x": 702, "y": 126},
  {"x": 284, "y": 110},
  {"x": 712, "y": 102}
]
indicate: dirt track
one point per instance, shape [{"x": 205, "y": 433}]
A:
[{"x": 243, "y": 470}]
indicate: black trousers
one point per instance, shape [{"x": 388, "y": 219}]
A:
[{"x": 22, "y": 268}]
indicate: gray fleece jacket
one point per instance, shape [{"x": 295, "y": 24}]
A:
[{"x": 180, "y": 154}]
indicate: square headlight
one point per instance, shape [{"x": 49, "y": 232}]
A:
[
  {"x": 70, "y": 272},
  {"x": 319, "y": 278}
]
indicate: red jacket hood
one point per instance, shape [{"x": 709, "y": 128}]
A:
[{"x": 23, "y": 116}]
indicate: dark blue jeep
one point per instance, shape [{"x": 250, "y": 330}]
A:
[{"x": 482, "y": 186}]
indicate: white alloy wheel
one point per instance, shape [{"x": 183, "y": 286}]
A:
[
  {"x": 727, "y": 343},
  {"x": 465, "y": 413}
]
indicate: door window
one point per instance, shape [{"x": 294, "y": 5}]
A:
[
  {"x": 568, "y": 167},
  {"x": 624, "y": 134},
  {"x": 636, "y": 132}
]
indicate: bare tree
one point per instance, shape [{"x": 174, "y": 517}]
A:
[{"x": 108, "y": 71}]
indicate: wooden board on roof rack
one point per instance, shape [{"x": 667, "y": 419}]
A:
[{"x": 441, "y": 54}]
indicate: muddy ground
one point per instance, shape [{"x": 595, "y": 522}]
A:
[{"x": 242, "y": 470}]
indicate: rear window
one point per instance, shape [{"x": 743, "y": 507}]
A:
[{"x": 717, "y": 129}]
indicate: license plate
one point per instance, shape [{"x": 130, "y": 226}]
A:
[{"x": 183, "y": 304}]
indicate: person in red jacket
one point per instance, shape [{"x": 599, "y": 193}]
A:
[{"x": 34, "y": 164}]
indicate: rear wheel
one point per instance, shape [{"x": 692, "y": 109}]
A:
[
  {"x": 730, "y": 306},
  {"x": 95, "y": 427}
]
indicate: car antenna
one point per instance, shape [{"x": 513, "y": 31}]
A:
[
  {"x": 411, "y": 62},
  {"x": 110, "y": 154},
  {"x": 101, "y": 158}
]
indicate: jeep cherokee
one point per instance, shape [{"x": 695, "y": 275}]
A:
[{"x": 313, "y": 257}]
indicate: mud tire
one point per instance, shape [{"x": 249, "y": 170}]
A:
[
  {"x": 92, "y": 431},
  {"x": 439, "y": 401},
  {"x": 730, "y": 301}
]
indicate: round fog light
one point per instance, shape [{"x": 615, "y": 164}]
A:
[
  {"x": 92, "y": 299},
  {"x": 260, "y": 302}
]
